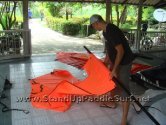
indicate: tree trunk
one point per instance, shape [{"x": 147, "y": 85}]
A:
[
  {"x": 71, "y": 15},
  {"x": 111, "y": 20},
  {"x": 117, "y": 13},
  {"x": 67, "y": 15},
  {"x": 123, "y": 15},
  {"x": 20, "y": 5}
]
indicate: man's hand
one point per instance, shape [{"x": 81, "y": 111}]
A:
[
  {"x": 120, "y": 52},
  {"x": 114, "y": 73},
  {"x": 106, "y": 60}
]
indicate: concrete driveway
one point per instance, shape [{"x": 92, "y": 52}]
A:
[{"x": 45, "y": 40}]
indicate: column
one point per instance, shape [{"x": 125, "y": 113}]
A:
[
  {"x": 139, "y": 18},
  {"x": 27, "y": 32},
  {"x": 108, "y": 6}
]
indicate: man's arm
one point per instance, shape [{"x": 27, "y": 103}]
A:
[
  {"x": 120, "y": 52},
  {"x": 106, "y": 60}
]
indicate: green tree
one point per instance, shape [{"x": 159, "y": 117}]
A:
[
  {"x": 7, "y": 14},
  {"x": 121, "y": 14},
  {"x": 148, "y": 13},
  {"x": 66, "y": 10},
  {"x": 54, "y": 8}
]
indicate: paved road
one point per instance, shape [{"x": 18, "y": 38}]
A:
[{"x": 45, "y": 40}]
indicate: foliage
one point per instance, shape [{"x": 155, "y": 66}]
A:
[
  {"x": 71, "y": 28},
  {"x": 37, "y": 8},
  {"x": 54, "y": 8},
  {"x": 7, "y": 14},
  {"x": 74, "y": 26},
  {"x": 86, "y": 10},
  {"x": 19, "y": 19},
  {"x": 148, "y": 14},
  {"x": 126, "y": 26},
  {"x": 127, "y": 18}
]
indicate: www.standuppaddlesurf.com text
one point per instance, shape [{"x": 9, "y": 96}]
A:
[{"x": 79, "y": 99}]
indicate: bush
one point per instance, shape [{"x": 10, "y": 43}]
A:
[
  {"x": 71, "y": 28},
  {"x": 54, "y": 23},
  {"x": 83, "y": 30}
]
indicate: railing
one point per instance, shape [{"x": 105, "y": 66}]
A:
[
  {"x": 148, "y": 41},
  {"x": 17, "y": 43},
  {"x": 153, "y": 41},
  {"x": 131, "y": 37},
  {"x": 14, "y": 44}
]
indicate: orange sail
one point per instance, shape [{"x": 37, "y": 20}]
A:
[
  {"x": 55, "y": 90},
  {"x": 78, "y": 60}
]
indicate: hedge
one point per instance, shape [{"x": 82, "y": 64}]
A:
[
  {"x": 84, "y": 32},
  {"x": 73, "y": 27}
]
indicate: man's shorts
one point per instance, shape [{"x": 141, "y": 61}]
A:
[{"x": 124, "y": 78}]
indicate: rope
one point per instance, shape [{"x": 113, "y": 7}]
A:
[{"x": 6, "y": 109}]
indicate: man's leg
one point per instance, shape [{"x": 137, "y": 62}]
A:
[
  {"x": 125, "y": 107},
  {"x": 123, "y": 77}
]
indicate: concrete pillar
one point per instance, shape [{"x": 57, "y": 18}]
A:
[
  {"x": 25, "y": 15},
  {"x": 27, "y": 32},
  {"x": 108, "y": 11},
  {"x": 138, "y": 37}
]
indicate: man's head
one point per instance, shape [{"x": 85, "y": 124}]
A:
[{"x": 96, "y": 22}]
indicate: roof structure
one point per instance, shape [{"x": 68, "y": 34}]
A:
[{"x": 154, "y": 3}]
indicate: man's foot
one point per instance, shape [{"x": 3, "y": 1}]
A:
[
  {"x": 125, "y": 123},
  {"x": 136, "y": 108}
]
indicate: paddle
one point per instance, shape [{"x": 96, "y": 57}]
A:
[{"x": 132, "y": 96}]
